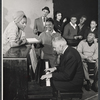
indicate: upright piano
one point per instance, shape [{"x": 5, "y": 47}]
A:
[{"x": 15, "y": 73}]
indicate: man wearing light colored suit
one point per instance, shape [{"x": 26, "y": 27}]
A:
[{"x": 39, "y": 24}]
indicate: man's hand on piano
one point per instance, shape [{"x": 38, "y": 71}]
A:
[
  {"x": 50, "y": 70},
  {"x": 47, "y": 76}
]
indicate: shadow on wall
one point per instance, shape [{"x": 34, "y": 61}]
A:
[
  {"x": 28, "y": 29},
  {"x": 5, "y": 22}
]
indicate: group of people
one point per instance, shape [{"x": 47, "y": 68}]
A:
[
  {"x": 83, "y": 38},
  {"x": 68, "y": 65}
]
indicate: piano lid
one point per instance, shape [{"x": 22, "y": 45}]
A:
[{"x": 18, "y": 52}]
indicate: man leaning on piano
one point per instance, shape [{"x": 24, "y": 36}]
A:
[{"x": 68, "y": 75}]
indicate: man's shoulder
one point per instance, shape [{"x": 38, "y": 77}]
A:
[
  {"x": 71, "y": 52},
  {"x": 68, "y": 25},
  {"x": 83, "y": 41},
  {"x": 70, "y": 49},
  {"x": 38, "y": 18},
  {"x": 96, "y": 41}
]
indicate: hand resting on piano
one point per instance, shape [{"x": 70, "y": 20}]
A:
[
  {"x": 46, "y": 76},
  {"x": 49, "y": 75},
  {"x": 50, "y": 69}
]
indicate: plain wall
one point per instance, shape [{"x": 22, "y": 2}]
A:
[{"x": 32, "y": 9}]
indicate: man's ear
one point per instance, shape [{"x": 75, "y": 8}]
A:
[{"x": 61, "y": 46}]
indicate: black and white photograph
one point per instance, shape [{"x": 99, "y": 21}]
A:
[{"x": 50, "y": 50}]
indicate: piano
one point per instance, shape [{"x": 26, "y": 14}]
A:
[
  {"x": 15, "y": 73},
  {"x": 16, "y": 84},
  {"x": 40, "y": 89}
]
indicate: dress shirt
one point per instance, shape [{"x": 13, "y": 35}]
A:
[
  {"x": 74, "y": 26},
  {"x": 44, "y": 20}
]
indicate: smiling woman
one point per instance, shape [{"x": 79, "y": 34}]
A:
[
  {"x": 45, "y": 38},
  {"x": 14, "y": 33}
]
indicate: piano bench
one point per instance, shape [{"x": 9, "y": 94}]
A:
[
  {"x": 65, "y": 94},
  {"x": 35, "y": 91}
]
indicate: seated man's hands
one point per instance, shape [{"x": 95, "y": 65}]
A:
[
  {"x": 75, "y": 37},
  {"x": 50, "y": 69},
  {"x": 80, "y": 37},
  {"x": 90, "y": 59},
  {"x": 47, "y": 76}
]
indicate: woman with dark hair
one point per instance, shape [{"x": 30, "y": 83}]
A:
[
  {"x": 45, "y": 38},
  {"x": 58, "y": 23},
  {"x": 14, "y": 33}
]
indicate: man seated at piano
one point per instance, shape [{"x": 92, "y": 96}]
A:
[
  {"x": 45, "y": 38},
  {"x": 14, "y": 33},
  {"x": 69, "y": 74}
]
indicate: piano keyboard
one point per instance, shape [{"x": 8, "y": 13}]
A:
[{"x": 47, "y": 80}]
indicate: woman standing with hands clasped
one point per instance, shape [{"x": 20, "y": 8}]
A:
[{"x": 58, "y": 22}]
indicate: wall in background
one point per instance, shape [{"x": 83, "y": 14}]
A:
[{"x": 32, "y": 9}]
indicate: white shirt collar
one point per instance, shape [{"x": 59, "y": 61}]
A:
[
  {"x": 65, "y": 49},
  {"x": 74, "y": 26},
  {"x": 93, "y": 29}
]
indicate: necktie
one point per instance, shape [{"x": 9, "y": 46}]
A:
[{"x": 44, "y": 20}]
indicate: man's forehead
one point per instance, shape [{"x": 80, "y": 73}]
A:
[
  {"x": 91, "y": 34},
  {"x": 93, "y": 22},
  {"x": 73, "y": 17},
  {"x": 83, "y": 18}
]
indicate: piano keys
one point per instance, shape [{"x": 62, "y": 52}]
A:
[
  {"x": 41, "y": 66},
  {"x": 47, "y": 66}
]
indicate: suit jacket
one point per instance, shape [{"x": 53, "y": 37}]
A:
[
  {"x": 38, "y": 26},
  {"x": 69, "y": 74},
  {"x": 69, "y": 33},
  {"x": 82, "y": 31},
  {"x": 89, "y": 30}
]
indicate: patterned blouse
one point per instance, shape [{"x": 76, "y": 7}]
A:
[{"x": 11, "y": 34}]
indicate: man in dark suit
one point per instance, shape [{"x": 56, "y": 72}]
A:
[
  {"x": 82, "y": 27},
  {"x": 69, "y": 74},
  {"x": 93, "y": 28},
  {"x": 39, "y": 24}
]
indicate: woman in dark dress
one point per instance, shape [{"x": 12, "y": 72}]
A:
[{"x": 58, "y": 23}]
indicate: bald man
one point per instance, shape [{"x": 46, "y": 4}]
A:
[{"x": 69, "y": 74}]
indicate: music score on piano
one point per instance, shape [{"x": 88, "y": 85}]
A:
[{"x": 47, "y": 80}]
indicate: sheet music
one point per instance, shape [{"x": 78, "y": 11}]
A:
[
  {"x": 33, "y": 58},
  {"x": 47, "y": 80},
  {"x": 32, "y": 40}
]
